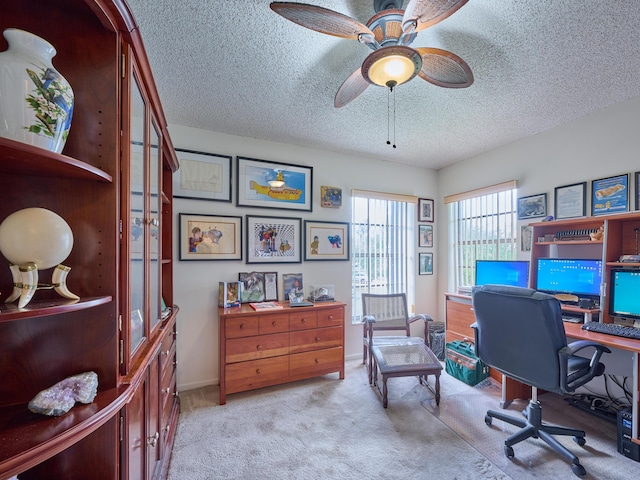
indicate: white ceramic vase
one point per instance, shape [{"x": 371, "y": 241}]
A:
[{"x": 36, "y": 102}]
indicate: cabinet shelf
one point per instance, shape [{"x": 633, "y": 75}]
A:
[
  {"x": 22, "y": 159},
  {"x": 30, "y": 438},
  {"x": 572, "y": 242},
  {"x": 624, "y": 264},
  {"x": 42, "y": 308}
]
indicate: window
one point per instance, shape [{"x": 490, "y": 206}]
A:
[
  {"x": 482, "y": 226},
  {"x": 383, "y": 246}
]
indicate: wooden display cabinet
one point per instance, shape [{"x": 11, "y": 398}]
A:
[{"x": 90, "y": 186}]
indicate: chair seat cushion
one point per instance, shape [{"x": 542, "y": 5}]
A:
[{"x": 579, "y": 366}]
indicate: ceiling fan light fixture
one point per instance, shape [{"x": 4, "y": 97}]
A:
[{"x": 391, "y": 66}]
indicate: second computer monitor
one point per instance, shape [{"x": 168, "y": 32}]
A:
[
  {"x": 502, "y": 272},
  {"x": 581, "y": 277}
]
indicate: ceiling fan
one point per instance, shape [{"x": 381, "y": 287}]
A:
[{"x": 388, "y": 33}]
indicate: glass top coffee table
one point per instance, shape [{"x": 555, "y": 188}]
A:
[{"x": 406, "y": 361}]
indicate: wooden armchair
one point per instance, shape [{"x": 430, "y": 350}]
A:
[{"x": 388, "y": 312}]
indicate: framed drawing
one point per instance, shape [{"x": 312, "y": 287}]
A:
[
  {"x": 326, "y": 240},
  {"x": 425, "y": 235},
  {"x": 570, "y": 201},
  {"x": 532, "y": 206},
  {"x": 273, "y": 240},
  {"x": 252, "y": 287},
  {"x": 425, "y": 263},
  {"x": 330, "y": 197},
  {"x": 526, "y": 237},
  {"x": 610, "y": 195},
  {"x": 270, "y": 286},
  {"x": 204, "y": 176},
  {"x": 425, "y": 210},
  {"x": 210, "y": 237},
  {"x": 637, "y": 176},
  {"x": 273, "y": 184}
]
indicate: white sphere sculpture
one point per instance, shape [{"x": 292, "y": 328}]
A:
[{"x": 35, "y": 235}]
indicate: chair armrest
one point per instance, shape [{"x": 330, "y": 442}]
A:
[
  {"x": 420, "y": 316},
  {"x": 573, "y": 348},
  {"x": 369, "y": 319}
]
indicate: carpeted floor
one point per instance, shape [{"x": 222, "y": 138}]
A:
[{"x": 325, "y": 428}]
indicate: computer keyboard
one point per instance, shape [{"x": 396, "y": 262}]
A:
[{"x": 613, "y": 329}]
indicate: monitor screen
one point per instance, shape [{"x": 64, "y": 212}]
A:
[
  {"x": 624, "y": 300},
  {"x": 569, "y": 275},
  {"x": 502, "y": 272}
]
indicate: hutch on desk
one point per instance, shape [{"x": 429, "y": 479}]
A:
[{"x": 114, "y": 172}]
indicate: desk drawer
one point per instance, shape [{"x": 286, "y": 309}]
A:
[
  {"x": 256, "y": 373},
  {"x": 308, "y": 363},
  {"x": 460, "y": 316},
  {"x": 252, "y": 348},
  {"x": 331, "y": 317},
  {"x": 275, "y": 323},
  {"x": 306, "y": 340}
]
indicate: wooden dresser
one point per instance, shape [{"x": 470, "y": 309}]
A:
[{"x": 259, "y": 349}]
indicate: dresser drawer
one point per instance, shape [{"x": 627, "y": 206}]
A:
[
  {"x": 331, "y": 317},
  {"x": 303, "y": 320},
  {"x": 275, "y": 323},
  {"x": 252, "y": 348},
  {"x": 242, "y": 327},
  {"x": 303, "y": 364},
  {"x": 256, "y": 374},
  {"x": 306, "y": 340}
]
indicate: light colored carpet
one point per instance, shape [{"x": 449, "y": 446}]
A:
[{"x": 326, "y": 428}]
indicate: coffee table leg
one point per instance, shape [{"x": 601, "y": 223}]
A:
[{"x": 384, "y": 391}]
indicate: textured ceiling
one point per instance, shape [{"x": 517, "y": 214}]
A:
[{"x": 237, "y": 67}]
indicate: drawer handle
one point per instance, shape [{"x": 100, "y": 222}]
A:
[
  {"x": 167, "y": 352},
  {"x": 330, "y": 317},
  {"x": 175, "y": 363},
  {"x": 167, "y": 390},
  {"x": 241, "y": 326},
  {"x": 167, "y": 428},
  {"x": 153, "y": 441},
  {"x": 317, "y": 360},
  {"x": 258, "y": 347},
  {"x": 303, "y": 320},
  {"x": 317, "y": 339},
  {"x": 258, "y": 372}
]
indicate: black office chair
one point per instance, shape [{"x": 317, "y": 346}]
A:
[{"x": 520, "y": 333}]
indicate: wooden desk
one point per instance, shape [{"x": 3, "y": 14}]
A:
[{"x": 575, "y": 331}]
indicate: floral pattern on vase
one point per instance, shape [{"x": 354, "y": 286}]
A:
[{"x": 36, "y": 102}]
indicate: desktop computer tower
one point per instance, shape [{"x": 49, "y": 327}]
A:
[{"x": 625, "y": 446}]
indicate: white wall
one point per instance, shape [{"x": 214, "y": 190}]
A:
[{"x": 196, "y": 282}]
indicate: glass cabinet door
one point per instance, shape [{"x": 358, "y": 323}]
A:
[
  {"x": 155, "y": 207},
  {"x": 139, "y": 225}
]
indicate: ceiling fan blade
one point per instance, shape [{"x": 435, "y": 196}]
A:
[
  {"x": 323, "y": 20},
  {"x": 421, "y": 14},
  {"x": 444, "y": 69},
  {"x": 351, "y": 88}
]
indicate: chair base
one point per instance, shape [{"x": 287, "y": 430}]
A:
[{"x": 532, "y": 427}]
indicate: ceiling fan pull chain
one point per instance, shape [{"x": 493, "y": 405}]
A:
[
  {"x": 388, "y": 116},
  {"x": 394, "y": 119}
]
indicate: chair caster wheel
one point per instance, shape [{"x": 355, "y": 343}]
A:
[
  {"x": 487, "y": 420},
  {"x": 578, "y": 470},
  {"x": 579, "y": 440},
  {"x": 508, "y": 451}
]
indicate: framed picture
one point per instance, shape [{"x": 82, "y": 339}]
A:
[
  {"x": 610, "y": 195},
  {"x": 270, "y": 286},
  {"x": 330, "y": 197},
  {"x": 526, "y": 237},
  {"x": 425, "y": 210},
  {"x": 292, "y": 285},
  {"x": 532, "y": 206},
  {"x": 426, "y": 263},
  {"x": 204, "y": 176},
  {"x": 570, "y": 201},
  {"x": 273, "y": 240},
  {"x": 274, "y": 185},
  {"x": 210, "y": 237},
  {"x": 637, "y": 176},
  {"x": 425, "y": 235},
  {"x": 326, "y": 240}
]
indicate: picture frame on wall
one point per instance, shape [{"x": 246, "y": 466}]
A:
[
  {"x": 330, "y": 197},
  {"x": 274, "y": 239},
  {"x": 610, "y": 195},
  {"x": 425, "y": 235},
  {"x": 532, "y": 206},
  {"x": 261, "y": 183},
  {"x": 210, "y": 237},
  {"x": 425, "y": 210},
  {"x": 326, "y": 240},
  {"x": 425, "y": 261},
  {"x": 202, "y": 176},
  {"x": 570, "y": 201}
]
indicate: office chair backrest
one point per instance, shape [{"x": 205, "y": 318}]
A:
[
  {"x": 519, "y": 331},
  {"x": 389, "y": 311}
]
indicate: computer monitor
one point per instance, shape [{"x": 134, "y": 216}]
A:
[
  {"x": 581, "y": 277},
  {"x": 624, "y": 300},
  {"x": 502, "y": 272}
]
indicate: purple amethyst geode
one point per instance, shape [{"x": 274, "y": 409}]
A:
[{"x": 58, "y": 399}]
